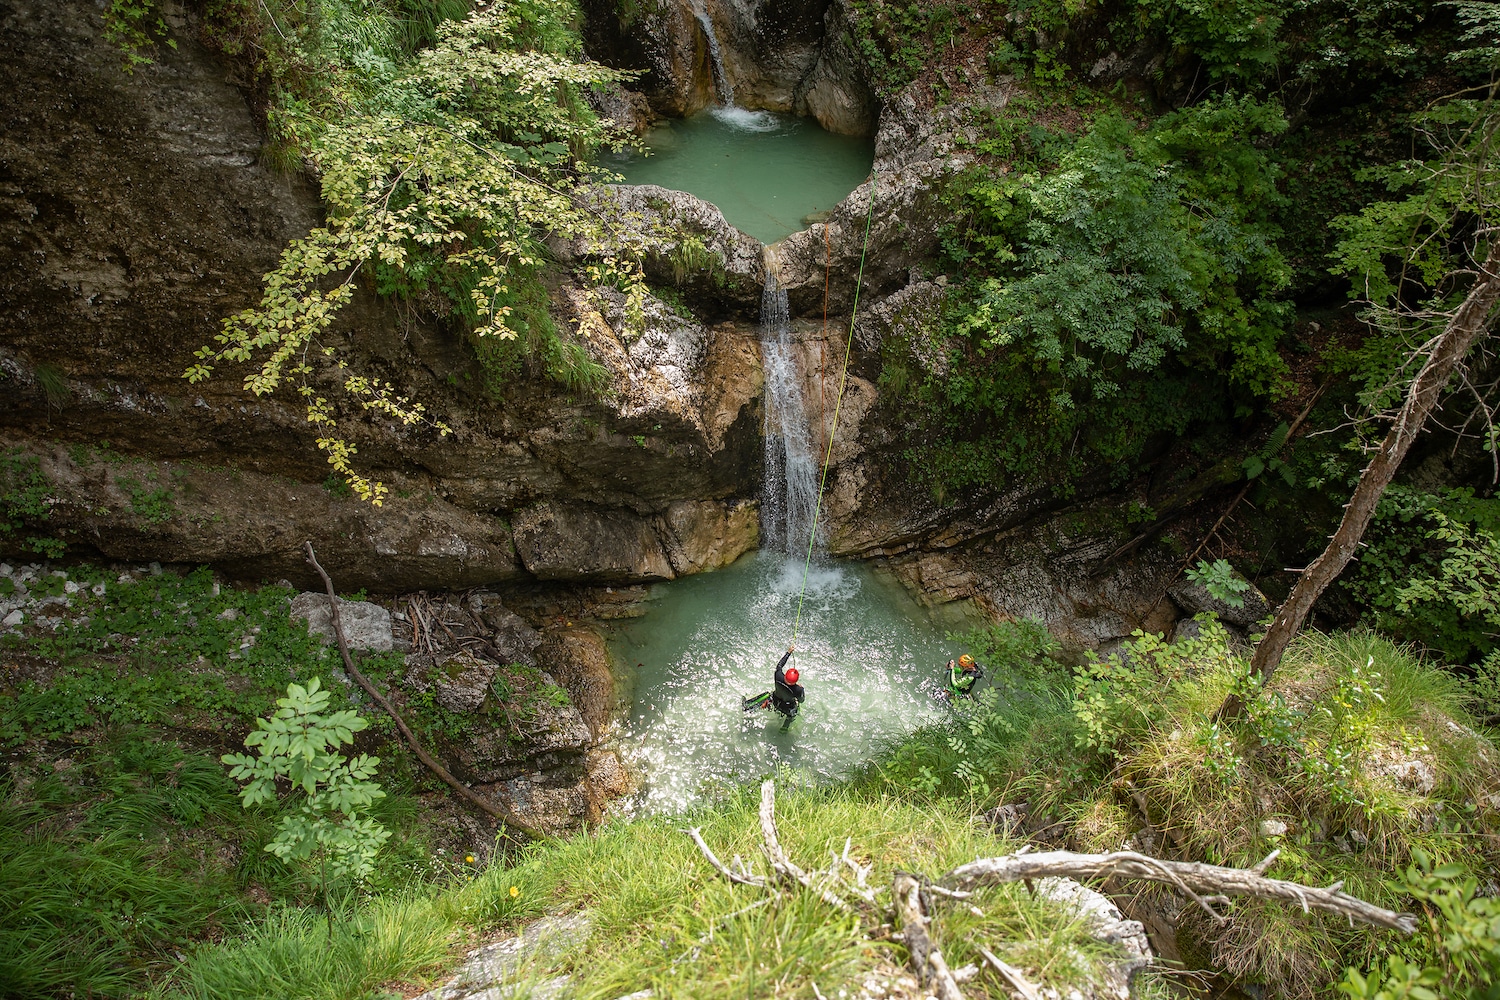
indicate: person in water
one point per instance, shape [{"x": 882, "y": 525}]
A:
[
  {"x": 788, "y": 695},
  {"x": 963, "y": 674}
]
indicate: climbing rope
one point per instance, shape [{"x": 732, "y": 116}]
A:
[{"x": 838, "y": 400}]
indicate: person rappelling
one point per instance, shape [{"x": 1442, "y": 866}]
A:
[
  {"x": 963, "y": 675},
  {"x": 787, "y": 695}
]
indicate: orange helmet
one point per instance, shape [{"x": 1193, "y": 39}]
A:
[
  {"x": 792, "y": 675},
  {"x": 966, "y": 661}
]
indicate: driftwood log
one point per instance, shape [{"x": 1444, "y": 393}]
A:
[
  {"x": 1204, "y": 883},
  {"x": 926, "y": 959},
  {"x": 463, "y": 791}
]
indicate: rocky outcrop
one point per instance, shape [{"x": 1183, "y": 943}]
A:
[
  {"x": 579, "y": 659},
  {"x": 527, "y": 710},
  {"x": 366, "y": 626},
  {"x": 562, "y": 542},
  {"x": 834, "y": 91}
]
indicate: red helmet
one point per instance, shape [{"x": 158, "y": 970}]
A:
[{"x": 792, "y": 675}]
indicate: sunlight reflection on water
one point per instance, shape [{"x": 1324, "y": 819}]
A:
[{"x": 864, "y": 650}]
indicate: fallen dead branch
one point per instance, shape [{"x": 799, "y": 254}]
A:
[
  {"x": 1201, "y": 882},
  {"x": 464, "y": 792},
  {"x": 782, "y": 865},
  {"x": 926, "y": 959},
  {"x": 1011, "y": 975},
  {"x": 1207, "y": 885}
]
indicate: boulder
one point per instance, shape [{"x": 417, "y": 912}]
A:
[
  {"x": 579, "y": 659},
  {"x": 545, "y": 736},
  {"x": 366, "y": 626},
  {"x": 513, "y": 639},
  {"x": 1193, "y": 598},
  {"x": 705, "y": 534},
  {"x": 508, "y": 968},
  {"x": 657, "y": 217},
  {"x": 461, "y": 681},
  {"x": 1108, "y": 924},
  {"x": 578, "y": 544}
]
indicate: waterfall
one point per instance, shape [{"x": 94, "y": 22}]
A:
[
  {"x": 721, "y": 81},
  {"x": 791, "y": 483}
]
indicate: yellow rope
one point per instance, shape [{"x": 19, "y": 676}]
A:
[{"x": 838, "y": 404}]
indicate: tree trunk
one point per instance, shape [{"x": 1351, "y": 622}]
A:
[{"x": 1447, "y": 351}]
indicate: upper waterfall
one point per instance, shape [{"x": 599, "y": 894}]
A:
[{"x": 722, "y": 86}]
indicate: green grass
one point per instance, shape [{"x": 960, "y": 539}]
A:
[
  {"x": 300, "y": 954},
  {"x": 662, "y": 919},
  {"x": 1341, "y": 712}
]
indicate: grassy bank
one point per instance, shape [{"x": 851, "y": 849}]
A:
[
  {"x": 662, "y": 919},
  {"x": 130, "y": 865}
]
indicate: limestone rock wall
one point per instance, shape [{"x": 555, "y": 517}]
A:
[
  {"x": 137, "y": 214},
  {"x": 778, "y": 55}
]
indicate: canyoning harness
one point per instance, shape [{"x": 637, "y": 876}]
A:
[{"x": 785, "y": 697}]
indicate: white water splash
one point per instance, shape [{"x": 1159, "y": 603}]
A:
[
  {"x": 789, "y": 504},
  {"x": 745, "y": 120}
]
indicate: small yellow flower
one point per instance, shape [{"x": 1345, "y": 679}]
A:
[
  {"x": 469, "y": 859},
  {"x": 514, "y": 892}
]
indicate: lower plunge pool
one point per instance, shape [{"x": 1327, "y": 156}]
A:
[
  {"x": 766, "y": 172},
  {"x": 869, "y": 655}
]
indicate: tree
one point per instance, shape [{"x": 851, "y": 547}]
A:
[
  {"x": 298, "y": 745},
  {"x": 442, "y": 180},
  {"x": 1445, "y": 238}
]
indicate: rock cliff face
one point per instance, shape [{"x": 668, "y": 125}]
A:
[
  {"x": 138, "y": 214},
  {"x": 778, "y": 55}
]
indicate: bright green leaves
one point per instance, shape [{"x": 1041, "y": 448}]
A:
[
  {"x": 135, "y": 27},
  {"x": 1124, "y": 293},
  {"x": 1221, "y": 581},
  {"x": 1467, "y": 937},
  {"x": 442, "y": 181},
  {"x": 1411, "y": 258},
  {"x": 299, "y": 745}
]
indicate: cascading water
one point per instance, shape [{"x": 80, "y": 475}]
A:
[
  {"x": 790, "y": 496},
  {"x": 721, "y": 80}
]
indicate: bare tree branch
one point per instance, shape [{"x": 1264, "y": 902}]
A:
[
  {"x": 723, "y": 869},
  {"x": 464, "y": 792},
  {"x": 1011, "y": 975},
  {"x": 1196, "y": 879},
  {"x": 926, "y": 960}
]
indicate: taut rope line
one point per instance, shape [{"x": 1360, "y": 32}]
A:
[{"x": 838, "y": 401}]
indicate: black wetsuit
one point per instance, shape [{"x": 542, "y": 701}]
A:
[{"x": 786, "y": 697}]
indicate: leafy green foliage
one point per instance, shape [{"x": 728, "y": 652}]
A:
[
  {"x": 1105, "y": 297},
  {"x": 299, "y": 744},
  {"x": 135, "y": 27},
  {"x": 1431, "y": 570},
  {"x": 26, "y": 499},
  {"x": 442, "y": 175},
  {"x": 129, "y": 653},
  {"x": 1221, "y": 581},
  {"x": 1467, "y": 938}
]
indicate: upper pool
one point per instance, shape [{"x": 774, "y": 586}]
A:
[{"x": 766, "y": 172}]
